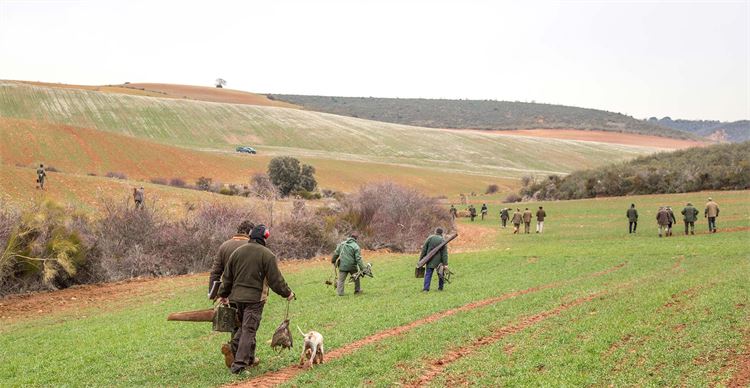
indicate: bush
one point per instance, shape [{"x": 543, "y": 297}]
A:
[
  {"x": 391, "y": 216},
  {"x": 92, "y": 174},
  {"x": 51, "y": 169},
  {"x": 177, "y": 182},
  {"x": 116, "y": 175},
  {"x": 226, "y": 191},
  {"x": 492, "y": 189},
  {"x": 262, "y": 187},
  {"x": 717, "y": 167},
  {"x": 512, "y": 198},
  {"x": 289, "y": 176},
  {"x": 158, "y": 181},
  {"x": 43, "y": 250},
  {"x": 204, "y": 183},
  {"x": 304, "y": 194}
]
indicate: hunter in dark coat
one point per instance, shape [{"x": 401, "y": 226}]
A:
[
  {"x": 632, "y": 215},
  {"x": 252, "y": 269},
  {"x": 690, "y": 216},
  {"x": 527, "y": 220},
  {"x": 441, "y": 258},
  {"x": 663, "y": 219},
  {"x": 504, "y": 216}
]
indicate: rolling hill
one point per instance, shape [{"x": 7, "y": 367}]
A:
[
  {"x": 479, "y": 114},
  {"x": 736, "y": 131},
  {"x": 275, "y": 131}
]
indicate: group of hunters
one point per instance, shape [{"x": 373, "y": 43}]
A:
[
  {"x": 247, "y": 269},
  {"x": 665, "y": 218},
  {"x": 516, "y": 219}
]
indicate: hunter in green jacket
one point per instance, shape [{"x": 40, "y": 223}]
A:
[
  {"x": 348, "y": 259},
  {"x": 441, "y": 258},
  {"x": 690, "y": 214}
]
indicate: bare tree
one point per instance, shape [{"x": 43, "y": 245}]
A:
[{"x": 220, "y": 82}]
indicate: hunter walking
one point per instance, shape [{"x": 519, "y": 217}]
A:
[
  {"x": 632, "y": 215},
  {"x": 663, "y": 219},
  {"x": 252, "y": 269},
  {"x": 504, "y": 216},
  {"x": 348, "y": 260},
  {"x": 690, "y": 216},
  {"x": 217, "y": 269},
  {"x": 540, "y": 214},
  {"x": 527, "y": 221},
  {"x": 41, "y": 176},
  {"x": 438, "y": 262},
  {"x": 711, "y": 212},
  {"x": 516, "y": 221}
]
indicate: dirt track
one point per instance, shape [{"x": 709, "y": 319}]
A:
[
  {"x": 281, "y": 376},
  {"x": 437, "y": 366}
]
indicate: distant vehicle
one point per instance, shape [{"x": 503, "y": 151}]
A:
[{"x": 246, "y": 149}]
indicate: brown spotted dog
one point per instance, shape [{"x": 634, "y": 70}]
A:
[{"x": 312, "y": 351}]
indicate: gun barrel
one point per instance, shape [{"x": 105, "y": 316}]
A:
[{"x": 193, "y": 316}]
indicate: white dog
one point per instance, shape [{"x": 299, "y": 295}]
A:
[{"x": 312, "y": 351}]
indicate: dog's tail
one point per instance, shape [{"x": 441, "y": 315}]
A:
[{"x": 300, "y": 331}]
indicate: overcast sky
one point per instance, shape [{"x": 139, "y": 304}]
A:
[{"x": 643, "y": 58}]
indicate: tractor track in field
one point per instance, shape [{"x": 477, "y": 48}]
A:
[
  {"x": 274, "y": 378},
  {"x": 741, "y": 376},
  {"x": 436, "y": 367}
]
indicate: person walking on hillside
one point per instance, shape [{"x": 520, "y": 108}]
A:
[
  {"x": 217, "y": 269},
  {"x": 251, "y": 270},
  {"x": 527, "y": 221},
  {"x": 484, "y": 210},
  {"x": 711, "y": 212},
  {"x": 454, "y": 212},
  {"x": 41, "y": 176},
  {"x": 662, "y": 218},
  {"x": 138, "y": 196},
  {"x": 504, "y": 216},
  {"x": 472, "y": 212},
  {"x": 540, "y": 214},
  {"x": 632, "y": 215},
  {"x": 348, "y": 260},
  {"x": 672, "y": 221},
  {"x": 690, "y": 215},
  {"x": 516, "y": 220},
  {"x": 439, "y": 260}
]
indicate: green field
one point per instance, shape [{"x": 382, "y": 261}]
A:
[
  {"x": 274, "y": 131},
  {"x": 582, "y": 304}
]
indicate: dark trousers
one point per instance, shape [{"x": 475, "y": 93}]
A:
[
  {"x": 712, "y": 224},
  {"x": 689, "y": 225},
  {"x": 428, "y": 279},
  {"x": 632, "y": 225},
  {"x": 526, "y": 226},
  {"x": 243, "y": 342},
  {"x": 504, "y": 221}
]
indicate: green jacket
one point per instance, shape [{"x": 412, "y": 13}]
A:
[
  {"x": 632, "y": 214},
  {"x": 441, "y": 257},
  {"x": 222, "y": 257},
  {"x": 690, "y": 213},
  {"x": 251, "y": 270},
  {"x": 349, "y": 256}
]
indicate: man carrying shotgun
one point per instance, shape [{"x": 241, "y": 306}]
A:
[{"x": 439, "y": 258}]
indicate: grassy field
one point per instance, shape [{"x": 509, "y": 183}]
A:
[
  {"x": 275, "y": 130},
  {"x": 582, "y": 304}
]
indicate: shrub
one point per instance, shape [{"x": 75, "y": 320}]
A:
[
  {"x": 288, "y": 175},
  {"x": 512, "y": 198},
  {"x": 492, "y": 189},
  {"x": 116, "y": 175},
  {"x": 226, "y": 191},
  {"x": 203, "y": 183},
  {"x": 391, "y": 216},
  {"x": 262, "y": 187},
  {"x": 44, "y": 250},
  {"x": 177, "y": 182},
  {"x": 52, "y": 169},
  {"x": 158, "y": 181},
  {"x": 92, "y": 174},
  {"x": 304, "y": 194}
]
